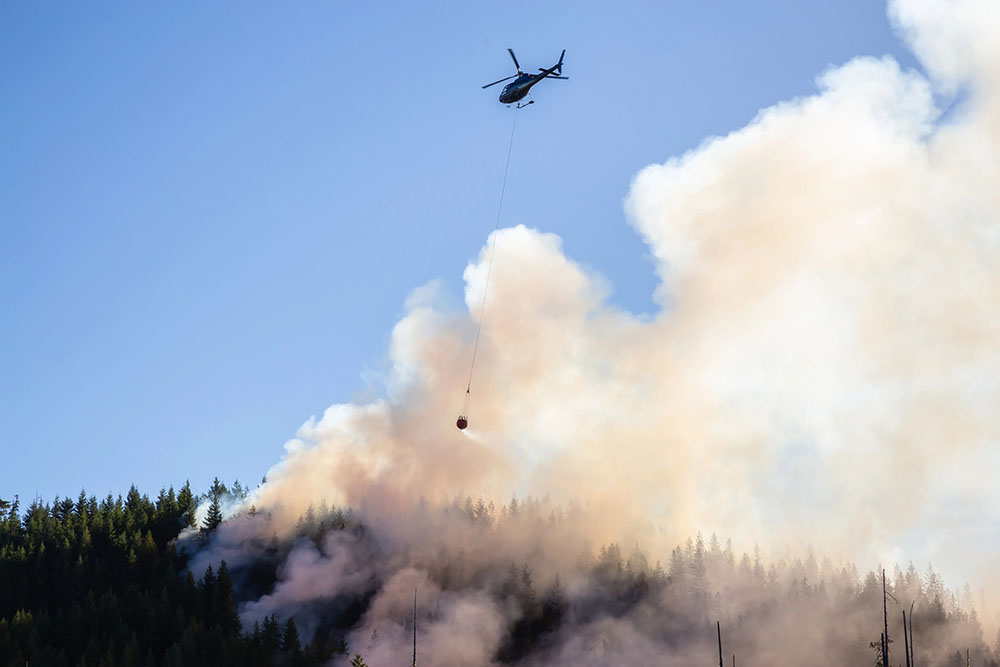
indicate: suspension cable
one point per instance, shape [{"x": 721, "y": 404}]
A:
[{"x": 489, "y": 268}]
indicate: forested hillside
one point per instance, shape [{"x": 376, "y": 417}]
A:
[
  {"x": 100, "y": 583},
  {"x": 521, "y": 584}
]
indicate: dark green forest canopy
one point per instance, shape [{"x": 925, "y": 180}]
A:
[{"x": 90, "y": 582}]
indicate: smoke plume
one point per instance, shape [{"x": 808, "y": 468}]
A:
[{"x": 824, "y": 368}]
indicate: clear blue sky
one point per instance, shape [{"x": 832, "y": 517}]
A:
[{"x": 212, "y": 213}]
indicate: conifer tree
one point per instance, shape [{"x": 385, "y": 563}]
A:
[
  {"x": 185, "y": 501},
  {"x": 526, "y": 593},
  {"x": 14, "y": 515},
  {"x": 208, "y": 596},
  {"x": 554, "y": 606},
  {"x": 225, "y": 604},
  {"x": 514, "y": 508},
  {"x": 214, "y": 516},
  {"x": 270, "y": 635},
  {"x": 290, "y": 638}
]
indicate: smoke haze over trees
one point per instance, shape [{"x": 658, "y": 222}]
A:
[
  {"x": 101, "y": 582},
  {"x": 523, "y": 585}
]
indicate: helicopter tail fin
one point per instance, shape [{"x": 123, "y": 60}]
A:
[{"x": 560, "y": 63}]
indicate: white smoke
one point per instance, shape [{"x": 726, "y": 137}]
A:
[{"x": 825, "y": 367}]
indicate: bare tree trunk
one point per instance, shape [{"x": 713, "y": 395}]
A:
[
  {"x": 906, "y": 641},
  {"x": 885, "y": 621},
  {"x": 718, "y": 628}
]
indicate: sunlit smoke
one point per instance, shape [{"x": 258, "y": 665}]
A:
[{"x": 824, "y": 368}]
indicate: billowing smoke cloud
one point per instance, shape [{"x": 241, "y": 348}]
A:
[
  {"x": 824, "y": 368},
  {"x": 827, "y": 348}
]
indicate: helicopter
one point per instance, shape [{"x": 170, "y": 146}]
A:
[{"x": 520, "y": 87}]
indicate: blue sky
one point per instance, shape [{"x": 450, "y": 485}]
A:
[{"x": 212, "y": 213}]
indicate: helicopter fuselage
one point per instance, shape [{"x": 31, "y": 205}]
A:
[{"x": 519, "y": 87}]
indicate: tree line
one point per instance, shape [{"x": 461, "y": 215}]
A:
[{"x": 100, "y": 583}]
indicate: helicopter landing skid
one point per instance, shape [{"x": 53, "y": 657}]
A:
[{"x": 521, "y": 106}]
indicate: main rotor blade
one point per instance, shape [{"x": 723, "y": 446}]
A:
[
  {"x": 500, "y": 81},
  {"x": 516, "y": 64}
]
